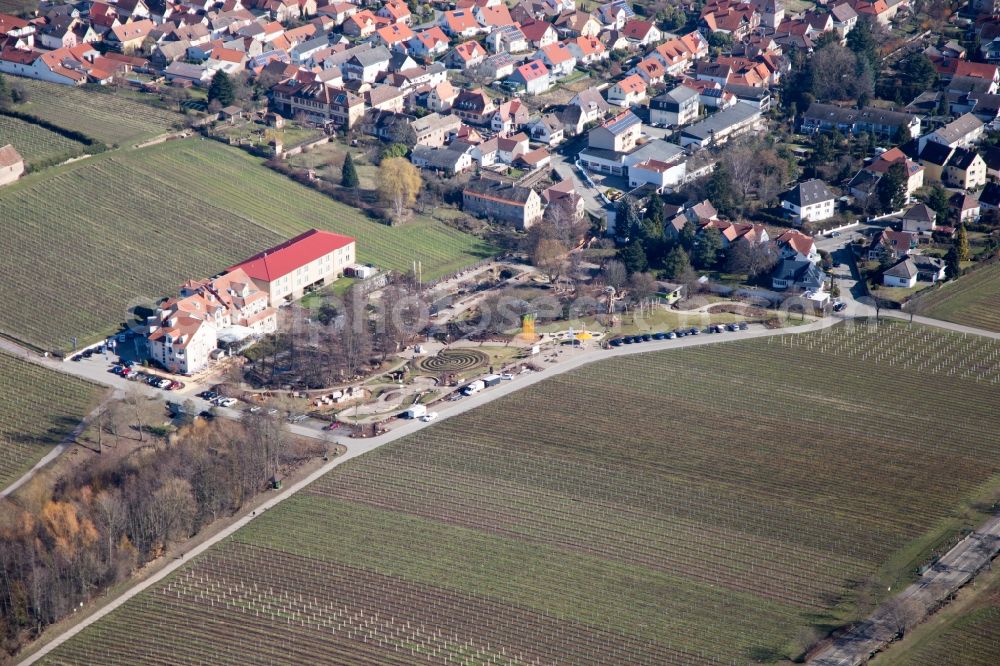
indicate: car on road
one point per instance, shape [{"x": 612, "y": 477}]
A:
[
  {"x": 616, "y": 342},
  {"x": 732, "y": 327},
  {"x": 839, "y": 307},
  {"x": 208, "y": 395},
  {"x": 333, "y": 425},
  {"x": 78, "y": 357},
  {"x": 507, "y": 376},
  {"x": 428, "y": 417},
  {"x": 454, "y": 397},
  {"x": 743, "y": 326}
]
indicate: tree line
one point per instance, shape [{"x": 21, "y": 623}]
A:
[{"x": 61, "y": 546}]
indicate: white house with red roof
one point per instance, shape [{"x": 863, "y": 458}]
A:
[
  {"x": 534, "y": 76},
  {"x": 558, "y": 58},
  {"x": 642, "y": 33},
  {"x": 186, "y": 330},
  {"x": 628, "y": 92},
  {"x": 312, "y": 259}
]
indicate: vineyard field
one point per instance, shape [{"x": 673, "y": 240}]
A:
[
  {"x": 91, "y": 238},
  {"x": 37, "y": 144},
  {"x": 972, "y": 300},
  {"x": 721, "y": 504},
  {"x": 38, "y": 407},
  {"x": 110, "y": 118}
]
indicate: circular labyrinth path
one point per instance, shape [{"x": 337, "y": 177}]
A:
[{"x": 453, "y": 360}]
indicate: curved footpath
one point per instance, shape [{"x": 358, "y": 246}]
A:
[{"x": 358, "y": 447}]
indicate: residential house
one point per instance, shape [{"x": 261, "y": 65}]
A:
[
  {"x": 965, "y": 169},
  {"x": 892, "y": 244},
  {"x": 365, "y": 65},
  {"x": 11, "y": 165},
  {"x": 510, "y": 117},
  {"x": 989, "y": 198},
  {"x": 721, "y": 126},
  {"x": 509, "y": 148},
  {"x": 619, "y": 134},
  {"x": 450, "y": 160},
  {"x": 435, "y": 130},
  {"x": 395, "y": 11},
  {"x": 533, "y": 76},
  {"x": 320, "y": 103},
  {"x": 630, "y": 91},
  {"x": 962, "y": 132},
  {"x": 919, "y": 219},
  {"x": 799, "y": 274},
  {"x": 586, "y": 107},
  {"x": 311, "y": 259},
  {"x": 428, "y": 43},
  {"x": 674, "y": 108},
  {"x": 651, "y": 70},
  {"x": 386, "y": 98},
  {"x": 548, "y": 129},
  {"x": 809, "y": 201},
  {"x": 461, "y": 23},
  {"x": 540, "y": 33},
  {"x": 914, "y": 269},
  {"x": 794, "y": 244},
  {"x": 864, "y": 184},
  {"x": 881, "y": 122},
  {"x": 466, "y": 55},
  {"x": 844, "y": 18},
  {"x": 474, "y": 106},
  {"x": 965, "y": 208},
  {"x": 394, "y": 36},
  {"x": 507, "y": 39},
  {"x": 558, "y": 58},
  {"x": 441, "y": 97},
  {"x": 520, "y": 206},
  {"x": 656, "y": 173},
  {"x": 578, "y": 24},
  {"x": 641, "y": 33},
  {"x": 587, "y": 50}
]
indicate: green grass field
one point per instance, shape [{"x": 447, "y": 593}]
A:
[
  {"x": 87, "y": 240},
  {"x": 109, "y": 118},
  {"x": 713, "y": 505},
  {"x": 37, "y": 144},
  {"x": 38, "y": 407},
  {"x": 973, "y": 300}
]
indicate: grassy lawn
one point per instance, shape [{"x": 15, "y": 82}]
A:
[
  {"x": 108, "y": 117},
  {"x": 37, "y": 144},
  {"x": 900, "y": 294},
  {"x": 88, "y": 239},
  {"x": 716, "y": 504},
  {"x": 38, "y": 407},
  {"x": 973, "y": 300}
]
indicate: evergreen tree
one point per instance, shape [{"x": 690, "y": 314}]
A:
[
  {"x": 861, "y": 40},
  {"x": 962, "y": 244},
  {"x": 676, "y": 263},
  {"x": 720, "y": 189},
  {"x": 687, "y": 237},
  {"x": 348, "y": 174},
  {"x": 5, "y": 99},
  {"x": 891, "y": 189},
  {"x": 634, "y": 257},
  {"x": 706, "y": 252},
  {"x": 937, "y": 199},
  {"x": 221, "y": 89},
  {"x": 953, "y": 267}
]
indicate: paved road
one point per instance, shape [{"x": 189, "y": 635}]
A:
[{"x": 953, "y": 571}]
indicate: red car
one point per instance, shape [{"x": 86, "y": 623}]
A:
[{"x": 332, "y": 426}]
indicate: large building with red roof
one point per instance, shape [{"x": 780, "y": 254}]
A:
[{"x": 312, "y": 259}]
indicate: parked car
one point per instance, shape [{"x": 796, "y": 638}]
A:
[
  {"x": 175, "y": 385},
  {"x": 628, "y": 339},
  {"x": 208, "y": 395},
  {"x": 428, "y": 417},
  {"x": 839, "y": 307},
  {"x": 671, "y": 335},
  {"x": 332, "y": 425},
  {"x": 659, "y": 336},
  {"x": 253, "y": 409},
  {"x": 223, "y": 401},
  {"x": 163, "y": 383},
  {"x": 616, "y": 342},
  {"x": 507, "y": 376},
  {"x": 743, "y": 325},
  {"x": 78, "y": 357},
  {"x": 694, "y": 330}
]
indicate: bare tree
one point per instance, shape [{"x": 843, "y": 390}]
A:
[
  {"x": 902, "y": 614},
  {"x": 750, "y": 258}
]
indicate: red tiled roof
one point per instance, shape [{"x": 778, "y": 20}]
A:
[{"x": 282, "y": 259}]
